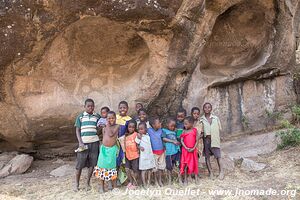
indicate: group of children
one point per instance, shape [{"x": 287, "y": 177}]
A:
[{"x": 140, "y": 149}]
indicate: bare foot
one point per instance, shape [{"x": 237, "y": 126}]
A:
[
  {"x": 109, "y": 185},
  {"x": 160, "y": 184},
  {"x": 88, "y": 187},
  {"x": 211, "y": 176},
  {"x": 185, "y": 183},
  {"x": 221, "y": 176},
  {"x": 76, "y": 188},
  {"x": 101, "y": 190}
]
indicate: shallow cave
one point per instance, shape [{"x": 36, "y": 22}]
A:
[{"x": 240, "y": 39}]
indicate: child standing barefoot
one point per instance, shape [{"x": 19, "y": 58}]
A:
[
  {"x": 146, "y": 161},
  {"x": 122, "y": 120},
  {"x": 195, "y": 112},
  {"x": 131, "y": 155},
  {"x": 106, "y": 166},
  {"x": 172, "y": 148},
  {"x": 212, "y": 127},
  {"x": 158, "y": 149},
  {"x": 189, "y": 157},
  {"x": 86, "y": 133}
]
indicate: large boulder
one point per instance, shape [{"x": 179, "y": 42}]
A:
[
  {"x": 18, "y": 165},
  {"x": 251, "y": 146},
  {"x": 236, "y": 54}
]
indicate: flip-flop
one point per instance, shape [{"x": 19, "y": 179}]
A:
[
  {"x": 129, "y": 185},
  {"x": 132, "y": 187}
]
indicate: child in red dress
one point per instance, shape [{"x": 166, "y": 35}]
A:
[{"x": 189, "y": 156}]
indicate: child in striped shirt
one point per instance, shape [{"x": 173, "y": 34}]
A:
[{"x": 86, "y": 133}]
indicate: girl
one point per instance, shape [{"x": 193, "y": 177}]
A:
[
  {"x": 189, "y": 157},
  {"x": 146, "y": 161},
  {"x": 131, "y": 155}
]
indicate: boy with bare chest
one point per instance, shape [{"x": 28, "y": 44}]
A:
[{"x": 106, "y": 169}]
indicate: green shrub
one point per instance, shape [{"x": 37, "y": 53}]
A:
[
  {"x": 286, "y": 124},
  {"x": 289, "y": 138},
  {"x": 245, "y": 121},
  {"x": 296, "y": 113}
]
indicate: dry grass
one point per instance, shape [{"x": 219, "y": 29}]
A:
[{"x": 282, "y": 172}]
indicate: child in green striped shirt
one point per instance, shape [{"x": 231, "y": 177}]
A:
[{"x": 86, "y": 133}]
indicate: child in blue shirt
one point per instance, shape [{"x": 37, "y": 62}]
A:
[
  {"x": 158, "y": 149},
  {"x": 172, "y": 147}
]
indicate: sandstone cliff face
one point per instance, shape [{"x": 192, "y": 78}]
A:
[{"x": 238, "y": 54}]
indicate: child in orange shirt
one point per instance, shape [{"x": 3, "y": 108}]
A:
[{"x": 131, "y": 154}]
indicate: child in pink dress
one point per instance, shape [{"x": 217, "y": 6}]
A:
[{"x": 189, "y": 156}]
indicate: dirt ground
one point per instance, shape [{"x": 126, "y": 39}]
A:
[{"x": 282, "y": 173}]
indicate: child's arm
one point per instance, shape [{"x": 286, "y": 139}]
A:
[
  {"x": 138, "y": 141},
  {"x": 181, "y": 139},
  {"x": 196, "y": 144},
  {"x": 171, "y": 141},
  {"x": 79, "y": 137}
]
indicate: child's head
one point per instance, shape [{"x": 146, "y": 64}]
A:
[
  {"x": 138, "y": 106},
  {"x": 123, "y": 108},
  {"x": 171, "y": 124},
  {"x": 142, "y": 114},
  {"x": 188, "y": 122},
  {"x": 195, "y": 112},
  {"x": 89, "y": 106},
  {"x": 131, "y": 126},
  {"x": 155, "y": 123},
  {"x": 111, "y": 118},
  {"x": 104, "y": 111},
  {"x": 207, "y": 108},
  {"x": 142, "y": 128},
  {"x": 181, "y": 114}
]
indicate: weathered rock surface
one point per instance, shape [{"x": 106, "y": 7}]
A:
[
  {"x": 251, "y": 146},
  {"x": 6, "y": 157},
  {"x": 252, "y": 166},
  {"x": 237, "y": 54},
  {"x": 18, "y": 165}
]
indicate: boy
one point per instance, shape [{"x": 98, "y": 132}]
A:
[
  {"x": 158, "y": 149},
  {"x": 86, "y": 133},
  {"x": 122, "y": 121},
  {"x": 211, "y": 127},
  {"x": 172, "y": 148},
  {"x": 122, "y": 117},
  {"x": 142, "y": 117},
  {"x": 181, "y": 114},
  {"x": 106, "y": 166}
]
